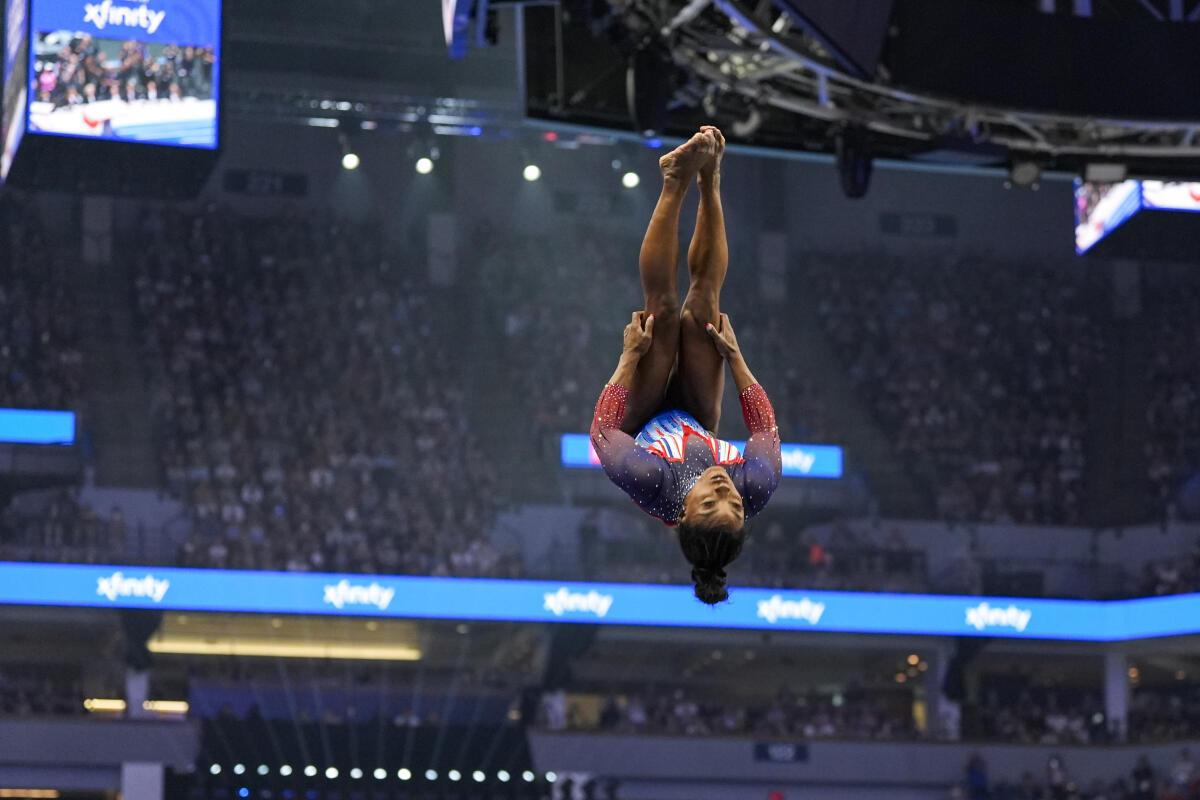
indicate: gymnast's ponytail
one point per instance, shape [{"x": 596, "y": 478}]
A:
[{"x": 710, "y": 548}]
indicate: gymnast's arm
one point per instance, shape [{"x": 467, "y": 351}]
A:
[
  {"x": 637, "y": 472},
  {"x": 763, "y": 461}
]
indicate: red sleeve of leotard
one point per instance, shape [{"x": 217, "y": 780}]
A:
[
  {"x": 763, "y": 465},
  {"x": 610, "y": 411},
  {"x": 757, "y": 409}
]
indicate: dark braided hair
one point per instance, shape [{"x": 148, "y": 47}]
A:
[{"x": 710, "y": 547}]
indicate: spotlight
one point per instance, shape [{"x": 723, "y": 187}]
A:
[
  {"x": 350, "y": 161},
  {"x": 630, "y": 180},
  {"x": 528, "y": 776},
  {"x": 478, "y": 776},
  {"x": 431, "y": 774},
  {"x": 310, "y": 771},
  {"x": 263, "y": 769},
  {"x": 215, "y": 769},
  {"x": 531, "y": 172},
  {"x": 331, "y": 772},
  {"x": 238, "y": 769},
  {"x": 243, "y": 792},
  {"x": 403, "y": 773},
  {"x": 551, "y": 777},
  {"x": 380, "y": 773},
  {"x": 454, "y": 775},
  {"x": 502, "y": 776},
  {"x": 1025, "y": 174},
  {"x": 356, "y": 773},
  {"x": 285, "y": 770},
  {"x": 424, "y": 165}
]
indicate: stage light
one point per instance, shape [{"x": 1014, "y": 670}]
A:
[
  {"x": 285, "y": 770},
  {"x": 1025, "y": 174},
  {"x": 243, "y": 792},
  {"x": 502, "y": 776},
  {"x": 528, "y": 776},
  {"x": 166, "y": 706},
  {"x": 404, "y": 773},
  {"x": 630, "y": 180},
  {"x": 380, "y": 773},
  {"x": 551, "y": 777},
  {"x": 238, "y": 769},
  {"x": 913, "y": 660},
  {"x": 104, "y": 704},
  {"x": 478, "y": 776},
  {"x": 310, "y": 771},
  {"x": 350, "y": 161},
  {"x": 263, "y": 769},
  {"x": 215, "y": 769},
  {"x": 431, "y": 774},
  {"x": 531, "y": 172},
  {"x": 331, "y": 772},
  {"x": 454, "y": 775},
  {"x": 356, "y": 773},
  {"x": 424, "y": 165}
]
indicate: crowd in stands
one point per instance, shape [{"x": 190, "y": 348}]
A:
[
  {"x": 1034, "y": 715},
  {"x": 27, "y": 691},
  {"x": 309, "y": 402},
  {"x": 84, "y": 70},
  {"x": 681, "y": 711},
  {"x": 1060, "y": 782},
  {"x": 979, "y": 371},
  {"x": 40, "y": 357},
  {"x": 1160, "y": 714},
  {"x": 55, "y": 525},
  {"x": 1172, "y": 441}
]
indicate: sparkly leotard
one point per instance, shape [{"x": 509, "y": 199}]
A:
[{"x": 660, "y": 466}]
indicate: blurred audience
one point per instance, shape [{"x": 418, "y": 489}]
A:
[
  {"x": 40, "y": 357},
  {"x": 979, "y": 371},
  {"x": 311, "y": 411}
]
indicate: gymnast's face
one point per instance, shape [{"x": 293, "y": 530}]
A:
[{"x": 714, "y": 500}]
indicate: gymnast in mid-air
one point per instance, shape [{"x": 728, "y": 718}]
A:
[{"x": 656, "y": 420}]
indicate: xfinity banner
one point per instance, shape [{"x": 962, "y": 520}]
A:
[
  {"x": 799, "y": 460},
  {"x": 600, "y": 603}
]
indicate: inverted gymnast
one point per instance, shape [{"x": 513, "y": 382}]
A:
[{"x": 669, "y": 382}]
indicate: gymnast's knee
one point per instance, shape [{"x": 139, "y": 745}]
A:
[
  {"x": 695, "y": 315},
  {"x": 665, "y": 310}
]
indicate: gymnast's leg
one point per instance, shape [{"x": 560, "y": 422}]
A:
[
  {"x": 701, "y": 368},
  {"x": 658, "y": 265}
]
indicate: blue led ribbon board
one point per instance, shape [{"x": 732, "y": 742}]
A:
[
  {"x": 598, "y": 603},
  {"x": 24, "y": 426},
  {"x": 799, "y": 460}
]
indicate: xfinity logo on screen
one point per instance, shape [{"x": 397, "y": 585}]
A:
[
  {"x": 776, "y": 608},
  {"x": 564, "y": 600},
  {"x": 798, "y": 460},
  {"x": 103, "y": 14},
  {"x": 117, "y": 585},
  {"x": 343, "y": 593},
  {"x": 985, "y": 616}
]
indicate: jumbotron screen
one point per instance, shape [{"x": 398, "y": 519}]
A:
[
  {"x": 125, "y": 70},
  {"x": 1100, "y": 208}
]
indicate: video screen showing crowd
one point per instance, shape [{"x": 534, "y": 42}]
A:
[{"x": 82, "y": 85}]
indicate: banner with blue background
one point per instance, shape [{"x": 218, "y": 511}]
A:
[{"x": 113, "y": 586}]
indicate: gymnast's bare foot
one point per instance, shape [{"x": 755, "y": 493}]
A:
[
  {"x": 684, "y": 162},
  {"x": 710, "y": 170}
]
